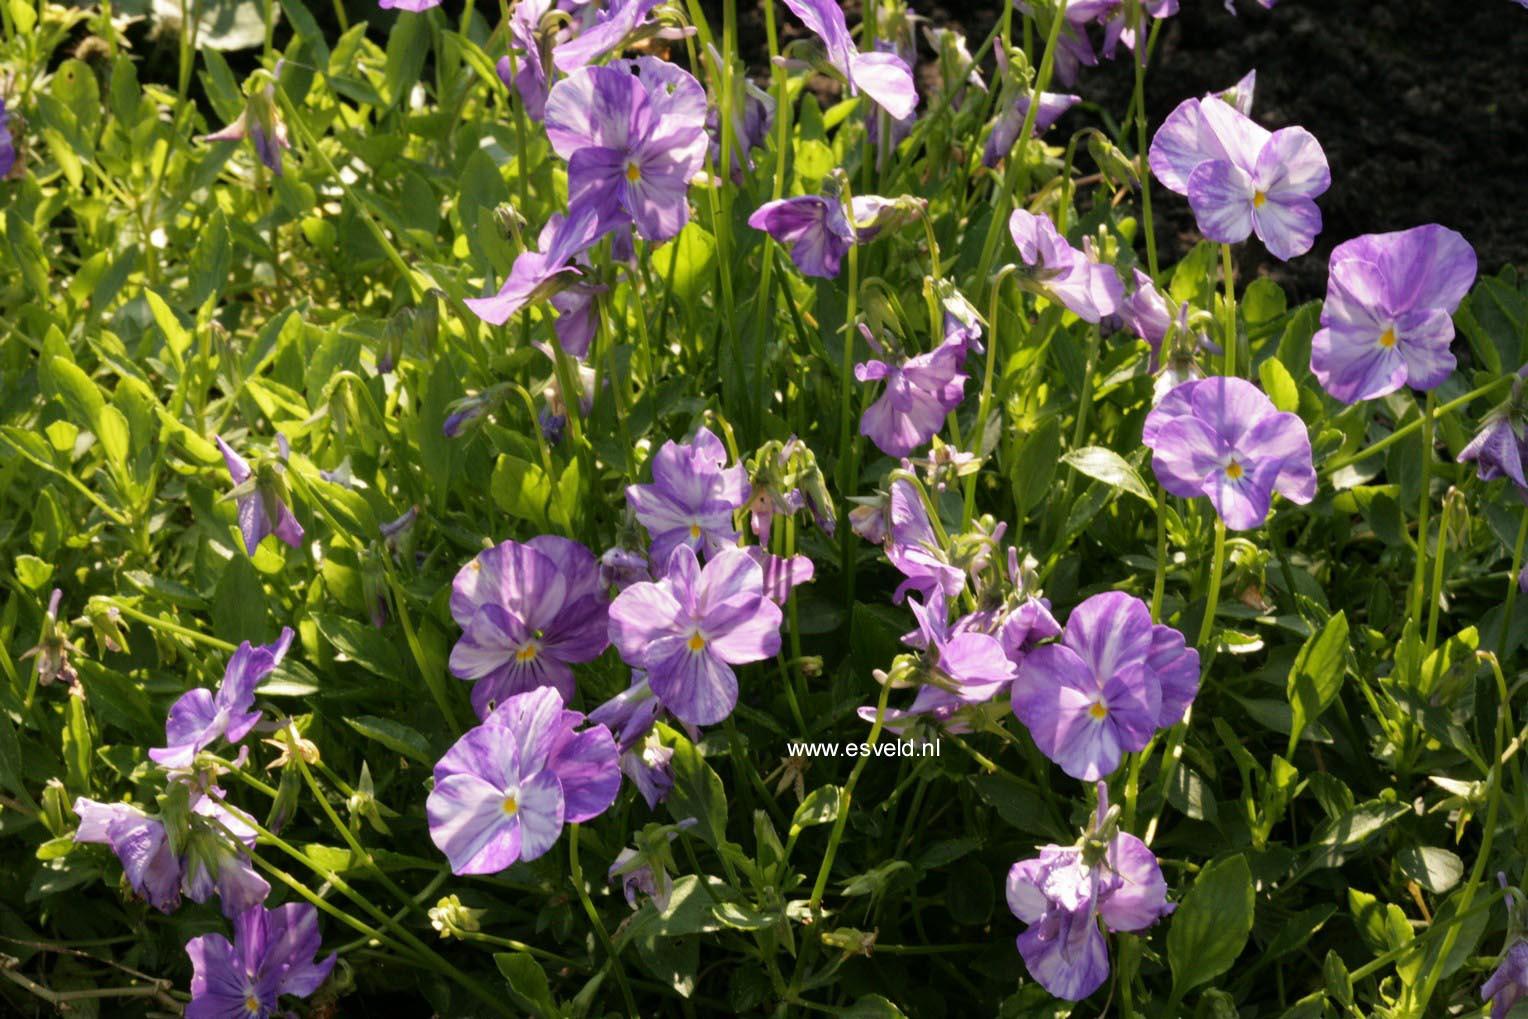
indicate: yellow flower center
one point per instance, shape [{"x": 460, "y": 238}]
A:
[
  {"x": 475, "y": 565},
  {"x": 511, "y": 808},
  {"x": 1234, "y": 470},
  {"x": 527, "y": 653},
  {"x": 1259, "y": 199},
  {"x": 696, "y": 641},
  {"x": 633, "y": 172},
  {"x": 1098, "y": 710},
  {"x": 694, "y": 530},
  {"x": 251, "y": 1005},
  {"x": 1388, "y": 339}
]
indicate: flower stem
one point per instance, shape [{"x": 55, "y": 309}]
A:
[
  {"x": 1228, "y": 270},
  {"x": 1517, "y": 565},
  {"x": 1406, "y": 429},
  {"x": 576, "y": 872},
  {"x": 1419, "y": 578},
  {"x": 1437, "y": 584},
  {"x": 1212, "y": 596},
  {"x": 169, "y": 627},
  {"x": 1159, "y": 578},
  {"x": 846, "y": 797},
  {"x": 979, "y": 432},
  {"x": 847, "y": 447},
  {"x": 1139, "y": 97}
]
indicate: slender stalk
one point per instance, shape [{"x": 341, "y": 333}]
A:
[
  {"x": 1337, "y": 463},
  {"x": 1139, "y": 97},
  {"x": 1159, "y": 575},
  {"x": 1228, "y": 270},
  {"x": 979, "y": 433},
  {"x": 1435, "y": 603},
  {"x": 169, "y": 627},
  {"x": 848, "y": 469},
  {"x": 1212, "y": 597},
  {"x": 1517, "y": 565},
  {"x": 576, "y": 872},
  {"x": 845, "y": 798},
  {"x": 1419, "y": 578}
]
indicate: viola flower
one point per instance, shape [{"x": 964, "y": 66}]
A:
[
  {"x": 271, "y": 955},
  {"x": 412, "y": 6},
  {"x": 1222, "y": 438},
  {"x": 1076, "y": 279},
  {"x": 1063, "y": 894},
  {"x": 528, "y": 613},
  {"x": 1499, "y": 450},
  {"x": 1092, "y": 697},
  {"x": 505, "y": 789},
  {"x": 7, "y": 142},
  {"x": 1509, "y": 983},
  {"x": 262, "y": 499},
  {"x": 1005, "y": 130},
  {"x": 632, "y": 142},
  {"x": 884, "y": 77},
  {"x": 812, "y": 228},
  {"x": 1388, "y": 316},
  {"x": 782, "y": 574},
  {"x": 527, "y": 75},
  {"x": 199, "y": 717},
  {"x": 1239, "y": 178},
  {"x": 538, "y": 275},
  {"x": 913, "y": 547},
  {"x": 622, "y": 567},
  {"x": 690, "y": 628},
  {"x": 968, "y": 664},
  {"x": 614, "y": 22},
  {"x": 692, "y": 497},
  {"x": 631, "y": 715},
  {"x": 141, "y": 844},
  {"x": 918, "y": 393}
]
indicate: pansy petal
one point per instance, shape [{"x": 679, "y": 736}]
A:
[{"x": 1221, "y": 195}]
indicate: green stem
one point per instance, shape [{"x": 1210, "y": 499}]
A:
[
  {"x": 169, "y": 627},
  {"x": 844, "y": 799},
  {"x": 1018, "y": 168},
  {"x": 1402, "y": 432},
  {"x": 1424, "y": 508},
  {"x": 577, "y": 874},
  {"x": 979, "y": 433},
  {"x": 1139, "y": 96},
  {"x": 1212, "y": 597},
  {"x": 1228, "y": 270},
  {"x": 847, "y": 447},
  {"x": 1437, "y": 585},
  {"x": 1517, "y": 565},
  {"x": 1159, "y": 577}
]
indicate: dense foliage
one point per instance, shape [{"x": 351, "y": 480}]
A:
[{"x": 505, "y": 512}]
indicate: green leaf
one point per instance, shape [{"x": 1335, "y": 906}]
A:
[
  {"x": 1435, "y": 869},
  {"x": 33, "y": 572},
  {"x": 698, "y": 791},
  {"x": 820, "y": 807},
  {"x": 1280, "y": 385},
  {"x": 526, "y": 980},
  {"x": 1316, "y": 677},
  {"x": 307, "y": 29},
  {"x": 872, "y": 1006},
  {"x": 1335, "y": 837},
  {"x": 521, "y": 489},
  {"x": 1109, "y": 467},
  {"x": 689, "y": 258},
  {"x": 78, "y": 392},
  {"x": 210, "y": 260},
  {"x": 396, "y": 736},
  {"x": 408, "y": 43},
  {"x": 28, "y": 253},
  {"x": 238, "y": 602},
  {"x": 175, "y": 334},
  {"x": 1211, "y": 925},
  {"x": 361, "y": 644}
]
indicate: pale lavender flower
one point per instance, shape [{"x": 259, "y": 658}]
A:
[
  {"x": 528, "y": 613},
  {"x": 621, "y": 567},
  {"x": 527, "y": 74},
  {"x": 1240, "y": 179},
  {"x": 1222, "y": 438},
  {"x": 1063, "y": 894},
  {"x": 968, "y": 664},
  {"x": 1499, "y": 450},
  {"x": 505, "y": 789},
  {"x": 1089, "y": 289},
  {"x": 1509, "y": 983},
  {"x": 782, "y": 574},
  {"x": 199, "y": 717},
  {"x": 918, "y": 393},
  {"x": 1388, "y": 317},
  {"x": 812, "y": 228},
  {"x": 884, "y": 77},
  {"x": 262, "y": 124},
  {"x": 614, "y": 22},
  {"x": 632, "y": 142},
  {"x": 913, "y": 547},
  {"x": 689, "y": 629},
  {"x": 1093, "y": 697},
  {"x": 692, "y": 497},
  {"x": 261, "y": 498},
  {"x": 412, "y": 6},
  {"x": 271, "y": 955}
]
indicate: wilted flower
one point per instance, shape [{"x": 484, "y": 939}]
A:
[
  {"x": 505, "y": 789},
  {"x": 528, "y": 613},
  {"x": 689, "y": 629},
  {"x": 260, "y": 122},
  {"x": 1388, "y": 316},
  {"x": 199, "y": 717},
  {"x": 1107, "y": 687},
  {"x": 692, "y": 497},
  {"x": 1240, "y": 179},
  {"x": 918, "y": 393},
  {"x": 632, "y": 142},
  {"x": 1063, "y": 894},
  {"x": 1222, "y": 438},
  {"x": 271, "y": 955},
  {"x": 262, "y": 498},
  {"x": 53, "y": 647},
  {"x": 884, "y": 77},
  {"x": 451, "y": 919},
  {"x": 1087, "y": 287}
]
